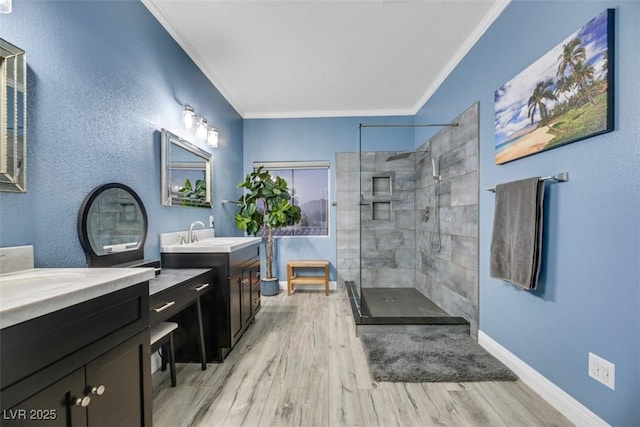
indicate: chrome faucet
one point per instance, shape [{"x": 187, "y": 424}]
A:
[{"x": 192, "y": 237}]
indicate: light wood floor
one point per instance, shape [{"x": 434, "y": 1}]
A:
[{"x": 300, "y": 364}]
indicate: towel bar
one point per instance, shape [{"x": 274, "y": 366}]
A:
[{"x": 561, "y": 177}]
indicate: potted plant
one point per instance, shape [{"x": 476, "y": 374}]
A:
[{"x": 266, "y": 206}]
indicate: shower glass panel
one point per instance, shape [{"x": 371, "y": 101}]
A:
[{"x": 387, "y": 224}]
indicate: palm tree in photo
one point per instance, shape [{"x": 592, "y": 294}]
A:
[
  {"x": 565, "y": 84},
  {"x": 583, "y": 74},
  {"x": 542, "y": 92},
  {"x": 573, "y": 53}
]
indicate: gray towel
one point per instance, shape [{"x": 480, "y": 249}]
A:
[{"x": 516, "y": 244}]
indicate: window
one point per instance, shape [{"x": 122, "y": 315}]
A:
[{"x": 309, "y": 186}]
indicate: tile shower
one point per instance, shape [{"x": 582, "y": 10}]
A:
[{"x": 386, "y": 210}]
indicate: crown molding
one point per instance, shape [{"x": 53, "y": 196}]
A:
[
  {"x": 473, "y": 38},
  {"x": 166, "y": 22},
  {"x": 154, "y": 7},
  {"x": 328, "y": 114}
]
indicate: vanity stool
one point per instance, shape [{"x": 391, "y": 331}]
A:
[{"x": 161, "y": 335}]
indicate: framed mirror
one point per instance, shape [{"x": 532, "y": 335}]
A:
[
  {"x": 186, "y": 173},
  {"x": 13, "y": 118},
  {"x": 112, "y": 225}
]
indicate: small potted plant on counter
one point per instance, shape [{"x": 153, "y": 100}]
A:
[{"x": 265, "y": 207}]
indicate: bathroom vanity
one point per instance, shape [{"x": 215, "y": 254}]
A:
[
  {"x": 75, "y": 347},
  {"x": 230, "y": 307}
]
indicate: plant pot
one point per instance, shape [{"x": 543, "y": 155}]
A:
[{"x": 269, "y": 287}]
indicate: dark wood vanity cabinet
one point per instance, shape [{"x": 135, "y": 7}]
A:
[
  {"x": 230, "y": 307},
  {"x": 88, "y": 364},
  {"x": 245, "y": 296}
]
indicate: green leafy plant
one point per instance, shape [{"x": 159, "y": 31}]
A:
[
  {"x": 266, "y": 205},
  {"x": 193, "y": 196}
]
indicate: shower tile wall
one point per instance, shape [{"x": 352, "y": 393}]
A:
[{"x": 450, "y": 278}]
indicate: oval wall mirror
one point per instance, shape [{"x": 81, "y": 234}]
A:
[{"x": 112, "y": 225}]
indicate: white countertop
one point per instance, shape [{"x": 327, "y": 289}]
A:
[
  {"x": 212, "y": 245},
  {"x": 27, "y": 294}
]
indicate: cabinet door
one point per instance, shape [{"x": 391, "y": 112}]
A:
[
  {"x": 118, "y": 382},
  {"x": 52, "y": 406},
  {"x": 235, "y": 304}
]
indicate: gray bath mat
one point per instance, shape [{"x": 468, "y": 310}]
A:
[{"x": 441, "y": 358}]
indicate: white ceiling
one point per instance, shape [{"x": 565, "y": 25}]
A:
[{"x": 326, "y": 58}]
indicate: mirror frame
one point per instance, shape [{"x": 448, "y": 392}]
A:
[
  {"x": 110, "y": 259},
  {"x": 167, "y": 140},
  {"x": 13, "y": 136}
]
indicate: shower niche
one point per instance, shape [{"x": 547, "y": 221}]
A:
[{"x": 381, "y": 194}]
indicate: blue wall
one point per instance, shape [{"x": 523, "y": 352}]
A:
[
  {"x": 103, "y": 79},
  {"x": 317, "y": 139},
  {"x": 589, "y": 296}
]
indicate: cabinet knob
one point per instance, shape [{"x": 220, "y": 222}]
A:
[
  {"x": 83, "y": 401},
  {"x": 201, "y": 287},
  {"x": 98, "y": 391}
]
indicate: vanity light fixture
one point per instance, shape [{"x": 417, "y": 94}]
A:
[
  {"x": 5, "y": 6},
  {"x": 201, "y": 127},
  {"x": 212, "y": 137},
  {"x": 188, "y": 115},
  {"x": 189, "y": 120}
]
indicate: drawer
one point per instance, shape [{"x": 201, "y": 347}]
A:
[{"x": 170, "y": 302}]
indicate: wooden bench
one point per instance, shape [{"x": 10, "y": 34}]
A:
[{"x": 293, "y": 280}]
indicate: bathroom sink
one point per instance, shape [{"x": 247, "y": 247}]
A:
[
  {"x": 217, "y": 241},
  {"x": 212, "y": 245}
]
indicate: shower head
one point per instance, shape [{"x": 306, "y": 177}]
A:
[
  {"x": 399, "y": 156},
  {"x": 403, "y": 155}
]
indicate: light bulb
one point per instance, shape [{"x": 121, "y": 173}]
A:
[
  {"x": 187, "y": 116},
  {"x": 5, "y": 6},
  {"x": 212, "y": 137},
  {"x": 201, "y": 128}
]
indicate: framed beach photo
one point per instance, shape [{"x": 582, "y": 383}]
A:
[{"x": 563, "y": 97}]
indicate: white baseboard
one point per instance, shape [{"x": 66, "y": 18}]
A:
[
  {"x": 332, "y": 286},
  {"x": 575, "y": 411}
]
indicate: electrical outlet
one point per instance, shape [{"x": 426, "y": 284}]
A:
[
  {"x": 602, "y": 370},
  {"x": 211, "y": 223}
]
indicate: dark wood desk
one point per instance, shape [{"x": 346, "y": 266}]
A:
[{"x": 176, "y": 289}]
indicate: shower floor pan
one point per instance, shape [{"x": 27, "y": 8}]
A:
[{"x": 402, "y": 306}]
